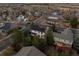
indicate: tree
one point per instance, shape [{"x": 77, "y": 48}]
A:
[
  {"x": 74, "y": 22},
  {"x": 53, "y": 27},
  {"x": 17, "y": 37},
  {"x": 39, "y": 43},
  {"x": 49, "y": 37},
  {"x": 27, "y": 41}
]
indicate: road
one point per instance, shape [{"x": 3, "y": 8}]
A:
[
  {"x": 6, "y": 21},
  {"x": 6, "y": 42}
]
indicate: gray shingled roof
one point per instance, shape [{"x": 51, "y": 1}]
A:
[
  {"x": 30, "y": 51},
  {"x": 66, "y": 34}
]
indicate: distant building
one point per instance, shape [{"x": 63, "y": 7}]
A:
[
  {"x": 30, "y": 51},
  {"x": 5, "y": 27},
  {"x": 42, "y": 21},
  {"x": 55, "y": 18},
  {"x": 9, "y": 18},
  {"x": 26, "y": 20},
  {"x": 55, "y": 15},
  {"x": 20, "y": 18},
  {"x": 37, "y": 14}
]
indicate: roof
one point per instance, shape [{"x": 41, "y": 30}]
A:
[
  {"x": 55, "y": 16},
  {"x": 38, "y": 28},
  {"x": 30, "y": 51},
  {"x": 56, "y": 13},
  {"x": 52, "y": 17},
  {"x": 41, "y": 21},
  {"x": 66, "y": 35},
  {"x": 6, "y": 26}
]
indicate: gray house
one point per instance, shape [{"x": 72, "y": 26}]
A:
[
  {"x": 76, "y": 39},
  {"x": 30, "y": 51},
  {"x": 65, "y": 37}
]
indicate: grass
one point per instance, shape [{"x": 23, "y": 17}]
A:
[{"x": 8, "y": 52}]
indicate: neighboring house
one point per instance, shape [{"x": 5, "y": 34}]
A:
[
  {"x": 55, "y": 16},
  {"x": 30, "y": 51},
  {"x": 9, "y": 18},
  {"x": 4, "y": 16},
  {"x": 56, "y": 19},
  {"x": 26, "y": 20},
  {"x": 76, "y": 39},
  {"x": 37, "y": 14},
  {"x": 65, "y": 37},
  {"x": 37, "y": 30},
  {"x": 1, "y": 19},
  {"x": 77, "y": 14},
  {"x": 1, "y": 25},
  {"x": 5, "y": 27},
  {"x": 42, "y": 21},
  {"x": 20, "y": 18},
  {"x": 29, "y": 13}
]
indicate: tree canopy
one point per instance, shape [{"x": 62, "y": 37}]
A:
[
  {"x": 74, "y": 22},
  {"x": 49, "y": 37}
]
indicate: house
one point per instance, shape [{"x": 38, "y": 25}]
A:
[
  {"x": 37, "y": 14},
  {"x": 55, "y": 18},
  {"x": 20, "y": 18},
  {"x": 42, "y": 21},
  {"x": 5, "y": 27},
  {"x": 26, "y": 20},
  {"x": 39, "y": 27},
  {"x": 65, "y": 37},
  {"x": 76, "y": 39},
  {"x": 37, "y": 30},
  {"x": 58, "y": 20},
  {"x": 30, "y": 51},
  {"x": 1, "y": 25}
]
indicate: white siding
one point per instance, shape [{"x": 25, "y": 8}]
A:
[{"x": 38, "y": 33}]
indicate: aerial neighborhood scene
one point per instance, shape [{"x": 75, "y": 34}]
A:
[{"x": 39, "y": 29}]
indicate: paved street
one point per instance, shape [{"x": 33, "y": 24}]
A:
[{"x": 6, "y": 42}]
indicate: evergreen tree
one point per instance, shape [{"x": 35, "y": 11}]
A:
[
  {"x": 27, "y": 41},
  {"x": 74, "y": 22},
  {"x": 17, "y": 37},
  {"x": 39, "y": 43},
  {"x": 49, "y": 37}
]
